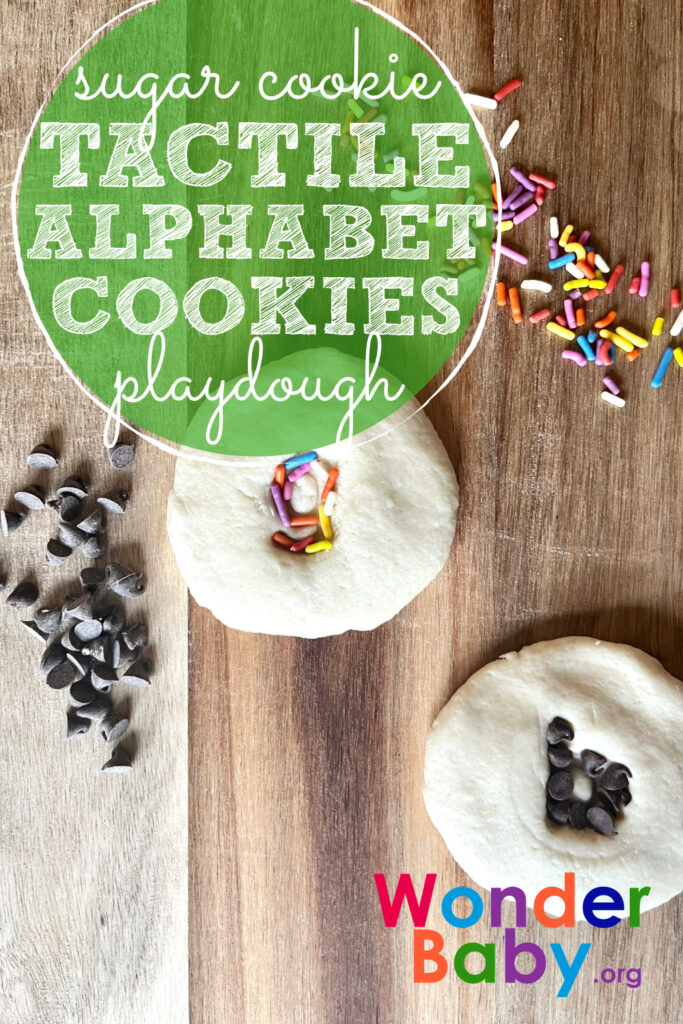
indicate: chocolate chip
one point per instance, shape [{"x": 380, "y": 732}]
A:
[
  {"x": 102, "y": 676},
  {"x": 558, "y": 811},
  {"x": 592, "y": 762},
  {"x": 139, "y": 672},
  {"x": 69, "y": 508},
  {"x": 82, "y": 693},
  {"x": 101, "y": 649},
  {"x": 115, "y": 501},
  {"x": 560, "y": 785},
  {"x": 608, "y": 801},
  {"x": 42, "y": 457},
  {"x": 113, "y": 621},
  {"x": 600, "y": 820},
  {"x": 124, "y": 581},
  {"x": 10, "y": 521},
  {"x": 113, "y": 727},
  {"x": 136, "y": 636},
  {"x": 78, "y": 606},
  {"x": 32, "y": 496},
  {"x": 71, "y": 536},
  {"x": 23, "y": 595},
  {"x": 53, "y": 655},
  {"x": 615, "y": 776},
  {"x": 559, "y": 755},
  {"x": 49, "y": 619},
  {"x": 87, "y": 630},
  {"x": 31, "y": 626},
  {"x": 558, "y": 730},
  {"x": 92, "y": 578},
  {"x": 120, "y": 761},
  {"x": 56, "y": 553},
  {"x": 121, "y": 455},
  {"x": 74, "y": 725},
  {"x": 97, "y": 709},
  {"x": 80, "y": 662},
  {"x": 75, "y": 486},
  {"x": 61, "y": 675},
  {"x": 93, "y": 523},
  {"x": 577, "y": 814},
  {"x": 95, "y": 546}
]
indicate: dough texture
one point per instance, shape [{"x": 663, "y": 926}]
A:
[
  {"x": 394, "y": 521},
  {"x": 486, "y": 769}
]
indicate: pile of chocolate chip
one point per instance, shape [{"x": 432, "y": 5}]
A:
[
  {"x": 89, "y": 644},
  {"x": 610, "y": 784}
]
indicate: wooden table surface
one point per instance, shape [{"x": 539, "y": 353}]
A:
[{"x": 305, "y": 758}]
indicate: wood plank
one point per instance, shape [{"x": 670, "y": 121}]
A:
[
  {"x": 93, "y": 887},
  {"x": 306, "y": 757}
]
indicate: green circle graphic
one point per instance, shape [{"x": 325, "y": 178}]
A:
[{"x": 223, "y": 196}]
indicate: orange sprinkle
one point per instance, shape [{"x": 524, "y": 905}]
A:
[
  {"x": 303, "y": 521},
  {"x": 329, "y": 484},
  {"x": 501, "y": 294},
  {"x": 494, "y": 191},
  {"x": 590, "y": 260},
  {"x": 606, "y": 320},
  {"x": 281, "y": 538},
  {"x": 587, "y": 271},
  {"x": 580, "y": 317},
  {"x": 515, "y": 306},
  {"x": 280, "y": 476},
  {"x": 633, "y": 355}
]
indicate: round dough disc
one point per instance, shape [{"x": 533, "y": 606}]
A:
[
  {"x": 393, "y": 521},
  {"x": 486, "y": 770}
]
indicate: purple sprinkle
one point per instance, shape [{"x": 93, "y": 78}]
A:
[
  {"x": 575, "y": 357},
  {"x": 299, "y": 471},
  {"x": 522, "y": 199},
  {"x": 287, "y": 490},
  {"x": 511, "y": 254},
  {"x": 644, "y": 279},
  {"x": 610, "y": 385},
  {"x": 511, "y": 198},
  {"x": 575, "y": 294},
  {"x": 524, "y": 214},
  {"x": 523, "y": 180},
  {"x": 553, "y": 248},
  {"x": 584, "y": 237},
  {"x": 279, "y": 504},
  {"x": 569, "y": 313}
]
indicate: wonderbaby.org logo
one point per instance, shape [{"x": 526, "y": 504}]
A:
[{"x": 477, "y": 962}]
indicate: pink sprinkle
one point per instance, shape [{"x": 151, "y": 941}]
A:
[
  {"x": 584, "y": 237},
  {"x": 610, "y": 385},
  {"x": 299, "y": 471},
  {"x": 511, "y": 254},
  {"x": 575, "y": 357},
  {"x": 287, "y": 490},
  {"x": 524, "y": 214},
  {"x": 280, "y": 505},
  {"x": 542, "y": 314},
  {"x": 569, "y": 313},
  {"x": 644, "y": 279},
  {"x": 553, "y": 248}
]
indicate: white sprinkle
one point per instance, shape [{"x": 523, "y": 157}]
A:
[
  {"x": 329, "y": 503},
  {"x": 677, "y": 325},
  {"x": 509, "y": 134},
  {"x": 554, "y": 228},
  {"x": 486, "y": 102},
  {"x": 532, "y": 285},
  {"x": 607, "y": 396},
  {"x": 318, "y": 472},
  {"x": 601, "y": 264},
  {"x": 572, "y": 269}
]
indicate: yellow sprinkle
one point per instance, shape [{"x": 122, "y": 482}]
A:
[
  {"x": 560, "y": 331},
  {"x": 325, "y": 524},
  {"x": 583, "y": 282},
  {"x": 564, "y": 237},
  {"x": 635, "y": 339},
  {"x": 678, "y": 355},
  {"x": 577, "y": 248},
  {"x": 598, "y": 275},
  {"x": 320, "y": 545},
  {"x": 657, "y": 326},
  {"x": 506, "y": 225},
  {"x": 620, "y": 342}
]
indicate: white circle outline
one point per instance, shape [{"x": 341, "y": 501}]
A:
[{"x": 193, "y": 454}]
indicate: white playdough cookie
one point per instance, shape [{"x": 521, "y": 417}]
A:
[
  {"x": 486, "y": 769},
  {"x": 393, "y": 520}
]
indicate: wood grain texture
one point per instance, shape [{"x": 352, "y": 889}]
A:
[
  {"x": 306, "y": 756},
  {"x": 93, "y": 879}
]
